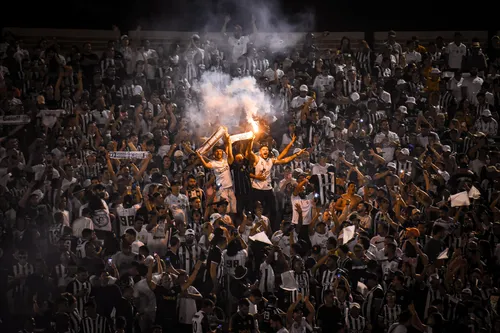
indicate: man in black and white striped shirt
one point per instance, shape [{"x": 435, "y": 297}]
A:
[
  {"x": 94, "y": 323},
  {"x": 373, "y": 299},
  {"x": 355, "y": 323},
  {"x": 303, "y": 279},
  {"x": 80, "y": 287},
  {"x": 189, "y": 251},
  {"x": 351, "y": 84}
]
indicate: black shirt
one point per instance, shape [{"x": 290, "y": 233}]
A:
[
  {"x": 166, "y": 302},
  {"x": 269, "y": 311},
  {"x": 328, "y": 318},
  {"x": 241, "y": 178},
  {"x": 174, "y": 259},
  {"x": 240, "y": 324}
]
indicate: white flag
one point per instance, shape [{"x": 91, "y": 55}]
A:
[
  {"x": 474, "y": 193},
  {"x": 460, "y": 199},
  {"x": 128, "y": 155},
  {"x": 444, "y": 254},
  {"x": 240, "y": 137},
  {"x": 15, "y": 120},
  {"x": 348, "y": 234},
  {"x": 261, "y": 237}
]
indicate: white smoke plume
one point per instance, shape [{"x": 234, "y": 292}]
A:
[{"x": 225, "y": 101}]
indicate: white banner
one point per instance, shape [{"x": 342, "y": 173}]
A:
[
  {"x": 14, "y": 120},
  {"x": 128, "y": 155},
  {"x": 240, "y": 137},
  {"x": 212, "y": 141}
]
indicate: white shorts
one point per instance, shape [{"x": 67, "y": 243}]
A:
[{"x": 228, "y": 194}]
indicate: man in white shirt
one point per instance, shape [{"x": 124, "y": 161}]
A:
[
  {"x": 177, "y": 202},
  {"x": 455, "y": 53},
  {"x": 486, "y": 124},
  {"x": 238, "y": 43},
  {"x": 386, "y": 140},
  {"x": 471, "y": 85},
  {"x": 150, "y": 58},
  {"x": 323, "y": 83},
  {"x": 321, "y": 167},
  {"x": 412, "y": 56},
  {"x": 223, "y": 179},
  {"x": 263, "y": 163},
  {"x": 302, "y": 202},
  {"x": 298, "y": 101},
  {"x": 83, "y": 222}
]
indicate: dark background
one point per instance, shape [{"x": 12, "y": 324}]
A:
[{"x": 196, "y": 15}]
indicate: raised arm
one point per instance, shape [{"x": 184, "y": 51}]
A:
[
  {"x": 249, "y": 154},
  {"x": 206, "y": 164},
  {"x": 224, "y": 26},
  {"x": 287, "y": 148},
  {"x": 289, "y": 158},
  {"x": 229, "y": 149}
]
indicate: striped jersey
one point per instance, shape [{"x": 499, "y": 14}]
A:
[
  {"x": 75, "y": 287},
  {"x": 303, "y": 282},
  {"x": 21, "y": 272},
  {"x": 99, "y": 324},
  {"x": 188, "y": 255},
  {"x": 390, "y": 315},
  {"x": 355, "y": 325}
]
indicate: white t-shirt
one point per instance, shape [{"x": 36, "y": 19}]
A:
[
  {"x": 473, "y": 85},
  {"x": 239, "y": 46},
  {"x": 307, "y": 205},
  {"x": 126, "y": 216},
  {"x": 321, "y": 240},
  {"x": 222, "y": 173},
  {"x": 142, "y": 235},
  {"x": 80, "y": 224},
  {"x": 40, "y": 169},
  {"x": 387, "y": 149},
  {"x": 318, "y": 169},
  {"x": 397, "y": 328},
  {"x": 101, "y": 219},
  {"x": 284, "y": 241},
  {"x": 263, "y": 167},
  {"x": 147, "y": 298},
  {"x": 455, "y": 54},
  {"x": 178, "y": 204}
]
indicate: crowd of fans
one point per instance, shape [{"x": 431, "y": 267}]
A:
[{"x": 369, "y": 203}]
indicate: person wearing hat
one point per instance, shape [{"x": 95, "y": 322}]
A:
[
  {"x": 486, "y": 124},
  {"x": 262, "y": 189},
  {"x": 302, "y": 101},
  {"x": 221, "y": 167},
  {"x": 188, "y": 252},
  {"x": 354, "y": 320}
]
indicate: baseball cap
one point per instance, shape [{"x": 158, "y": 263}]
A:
[
  {"x": 486, "y": 113},
  {"x": 405, "y": 151},
  {"x": 214, "y": 217},
  {"x": 403, "y": 109},
  {"x": 446, "y": 149},
  {"x": 189, "y": 232},
  {"x": 303, "y": 88},
  {"x": 178, "y": 153}
]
